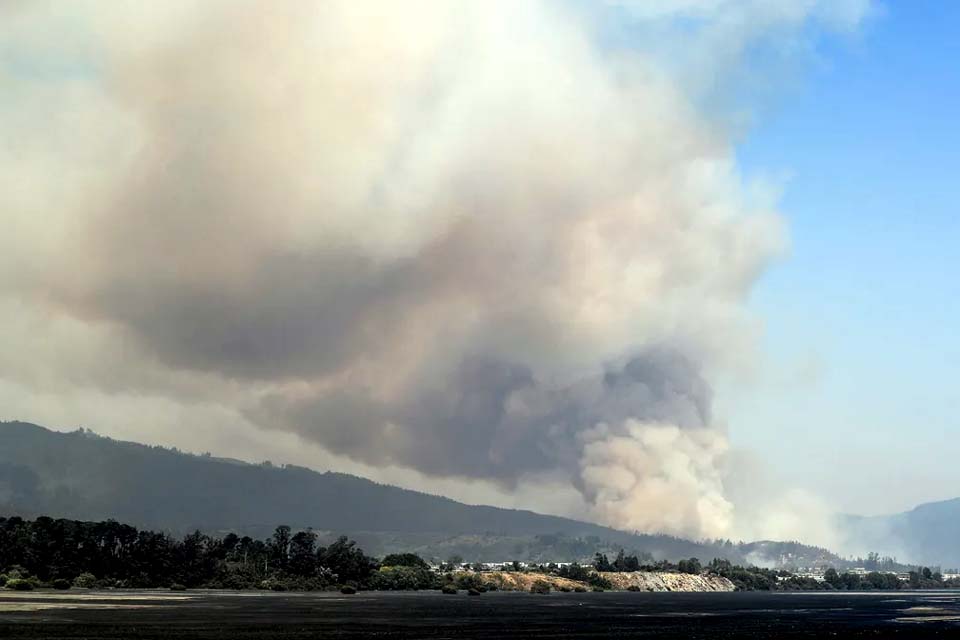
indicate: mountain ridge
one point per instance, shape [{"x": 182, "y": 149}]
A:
[
  {"x": 75, "y": 475},
  {"x": 292, "y": 472},
  {"x": 929, "y": 533}
]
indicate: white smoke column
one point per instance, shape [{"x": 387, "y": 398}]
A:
[
  {"x": 767, "y": 509},
  {"x": 657, "y": 477},
  {"x": 451, "y": 237}
]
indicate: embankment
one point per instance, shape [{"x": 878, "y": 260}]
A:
[
  {"x": 667, "y": 581},
  {"x": 642, "y": 580},
  {"x": 517, "y": 581}
]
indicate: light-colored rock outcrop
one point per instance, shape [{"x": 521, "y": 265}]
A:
[
  {"x": 666, "y": 581},
  {"x": 642, "y": 580}
]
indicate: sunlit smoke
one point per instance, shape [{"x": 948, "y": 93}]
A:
[{"x": 471, "y": 239}]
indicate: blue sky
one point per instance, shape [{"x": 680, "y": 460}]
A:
[{"x": 864, "y": 308}]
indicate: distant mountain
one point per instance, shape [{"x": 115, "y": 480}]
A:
[
  {"x": 84, "y": 476},
  {"x": 927, "y": 534}
]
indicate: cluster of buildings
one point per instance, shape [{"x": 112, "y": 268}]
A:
[
  {"x": 499, "y": 566},
  {"x": 817, "y": 573}
]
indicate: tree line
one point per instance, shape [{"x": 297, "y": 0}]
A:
[
  {"x": 64, "y": 553},
  {"x": 762, "y": 579},
  {"x": 644, "y": 562},
  {"x": 111, "y": 554}
]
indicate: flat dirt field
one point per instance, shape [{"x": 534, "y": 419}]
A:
[{"x": 208, "y": 614}]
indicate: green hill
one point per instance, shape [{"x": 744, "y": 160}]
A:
[{"x": 84, "y": 476}]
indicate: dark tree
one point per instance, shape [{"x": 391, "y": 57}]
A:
[
  {"x": 280, "y": 546},
  {"x": 691, "y": 566},
  {"x": 346, "y": 561},
  {"x": 404, "y": 560},
  {"x": 831, "y": 577},
  {"x": 302, "y": 557},
  {"x": 602, "y": 563}
]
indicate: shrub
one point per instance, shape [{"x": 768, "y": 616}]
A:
[
  {"x": 61, "y": 584},
  {"x": 598, "y": 589},
  {"x": 347, "y": 590},
  {"x": 467, "y": 580},
  {"x": 400, "y": 578},
  {"x": 176, "y": 586},
  {"x": 564, "y": 589},
  {"x": 19, "y": 584},
  {"x": 473, "y": 592},
  {"x": 599, "y": 582},
  {"x": 268, "y": 584},
  {"x": 491, "y": 586},
  {"x": 3, "y": 580},
  {"x": 633, "y": 587},
  {"x": 541, "y": 587},
  {"x": 404, "y": 560},
  {"x": 691, "y": 566},
  {"x": 580, "y": 589},
  {"x": 449, "y": 589}
]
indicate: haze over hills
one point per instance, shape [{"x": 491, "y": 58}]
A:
[
  {"x": 84, "y": 476},
  {"x": 927, "y": 534}
]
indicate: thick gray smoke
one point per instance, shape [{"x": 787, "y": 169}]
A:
[
  {"x": 466, "y": 238},
  {"x": 495, "y": 419}
]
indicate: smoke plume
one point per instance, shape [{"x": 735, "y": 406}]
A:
[{"x": 473, "y": 239}]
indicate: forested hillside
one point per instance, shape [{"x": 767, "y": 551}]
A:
[{"x": 87, "y": 477}]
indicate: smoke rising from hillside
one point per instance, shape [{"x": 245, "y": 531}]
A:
[{"x": 465, "y": 238}]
